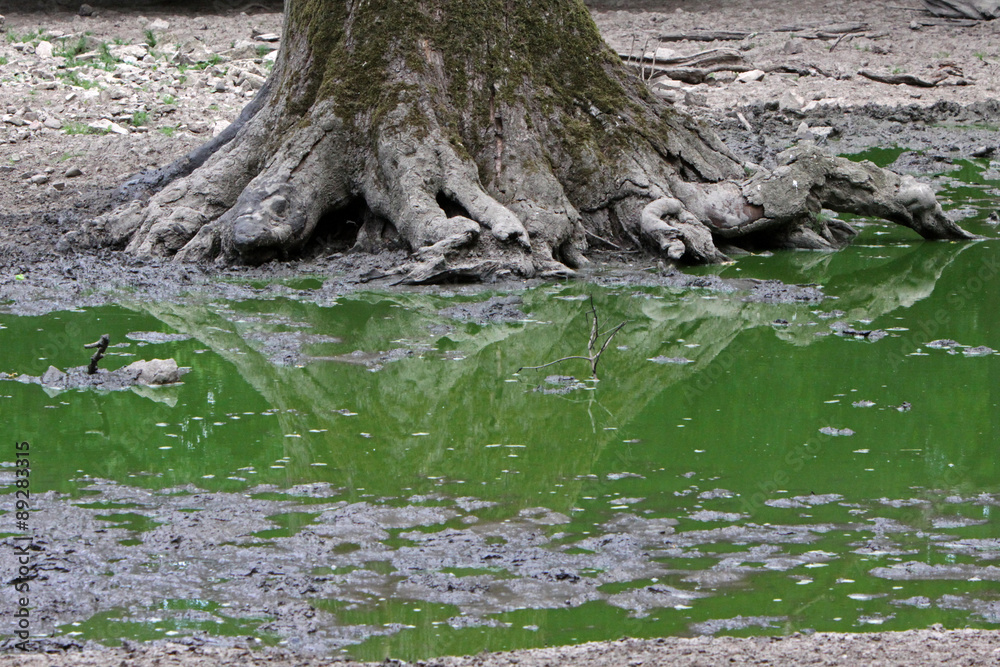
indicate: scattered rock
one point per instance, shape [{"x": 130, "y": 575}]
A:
[
  {"x": 156, "y": 371},
  {"x": 85, "y": 10},
  {"x": 751, "y": 76},
  {"x": 267, "y": 37},
  {"x": 106, "y": 125},
  {"x": 829, "y": 430},
  {"x": 53, "y": 377},
  {"x": 158, "y": 25},
  {"x": 980, "y": 351},
  {"x": 39, "y": 179},
  {"x": 793, "y": 47},
  {"x": 73, "y": 172},
  {"x": 44, "y": 49},
  {"x": 943, "y": 344},
  {"x": 129, "y": 53},
  {"x": 863, "y": 404},
  {"x": 791, "y": 102}
]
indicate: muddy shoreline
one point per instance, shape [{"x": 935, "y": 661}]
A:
[{"x": 935, "y": 127}]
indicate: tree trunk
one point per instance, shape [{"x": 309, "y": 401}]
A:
[{"x": 489, "y": 137}]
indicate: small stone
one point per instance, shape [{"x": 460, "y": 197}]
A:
[
  {"x": 695, "y": 99},
  {"x": 53, "y": 377},
  {"x": 40, "y": 179},
  {"x": 2, "y": 20},
  {"x": 156, "y": 371},
  {"x": 791, "y": 102},
  {"x": 271, "y": 57},
  {"x": 914, "y": 25},
  {"x": 751, "y": 76},
  {"x": 116, "y": 93},
  {"x": 106, "y": 125},
  {"x": 821, "y": 131},
  {"x": 267, "y": 37},
  {"x": 44, "y": 49},
  {"x": 793, "y": 47},
  {"x": 803, "y": 131},
  {"x": 663, "y": 53},
  {"x": 52, "y": 123},
  {"x": 85, "y": 10},
  {"x": 220, "y": 86},
  {"x": 60, "y": 186},
  {"x": 158, "y": 25},
  {"x": 73, "y": 172}
]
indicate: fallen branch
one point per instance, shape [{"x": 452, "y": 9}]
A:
[
  {"x": 102, "y": 345},
  {"x": 706, "y": 36},
  {"x": 905, "y": 79},
  {"x": 595, "y": 334}
]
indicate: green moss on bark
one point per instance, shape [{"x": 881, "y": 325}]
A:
[{"x": 467, "y": 58}]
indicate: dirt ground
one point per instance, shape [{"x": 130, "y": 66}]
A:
[{"x": 72, "y": 131}]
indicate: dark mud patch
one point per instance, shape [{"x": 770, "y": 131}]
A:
[
  {"x": 495, "y": 310},
  {"x": 299, "y": 586},
  {"x": 152, "y": 373},
  {"x": 736, "y": 623}
]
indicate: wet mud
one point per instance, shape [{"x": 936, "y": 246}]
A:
[{"x": 266, "y": 563}]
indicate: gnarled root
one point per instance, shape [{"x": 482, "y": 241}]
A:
[{"x": 809, "y": 180}]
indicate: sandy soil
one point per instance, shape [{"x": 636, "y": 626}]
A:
[{"x": 171, "y": 96}]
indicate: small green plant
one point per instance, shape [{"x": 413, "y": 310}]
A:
[
  {"x": 262, "y": 51},
  {"x": 3, "y": 61},
  {"x": 70, "y": 49},
  {"x": 139, "y": 118},
  {"x": 81, "y": 128},
  {"x": 150, "y": 38},
  {"x": 69, "y": 156},
  {"x": 980, "y": 54},
  {"x": 169, "y": 99},
  {"x": 105, "y": 57},
  {"x": 898, "y": 70},
  {"x": 73, "y": 78},
  {"x": 168, "y": 130}
]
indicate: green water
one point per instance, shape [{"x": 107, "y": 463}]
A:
[{"x": 454, "y": 419}]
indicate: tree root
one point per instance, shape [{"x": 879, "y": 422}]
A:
[{"x": 500, "y": 184}]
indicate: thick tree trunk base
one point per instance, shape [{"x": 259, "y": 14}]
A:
[{"x": 501, "y": 184}]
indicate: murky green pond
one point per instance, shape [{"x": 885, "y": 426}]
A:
[{"x": 758, "y": 467}]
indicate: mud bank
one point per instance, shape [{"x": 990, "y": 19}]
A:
[{"x": 915, "y": 648}]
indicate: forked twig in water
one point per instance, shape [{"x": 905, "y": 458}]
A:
[{"x": 595, "y": 334}]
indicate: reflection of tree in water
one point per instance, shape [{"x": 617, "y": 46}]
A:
[{"x": 469, "y": 403}]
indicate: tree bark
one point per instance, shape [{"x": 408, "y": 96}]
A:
[{"x": 490, "y": 137}]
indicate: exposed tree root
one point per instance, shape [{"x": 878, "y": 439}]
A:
[{"x": 483, "y": 177}]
